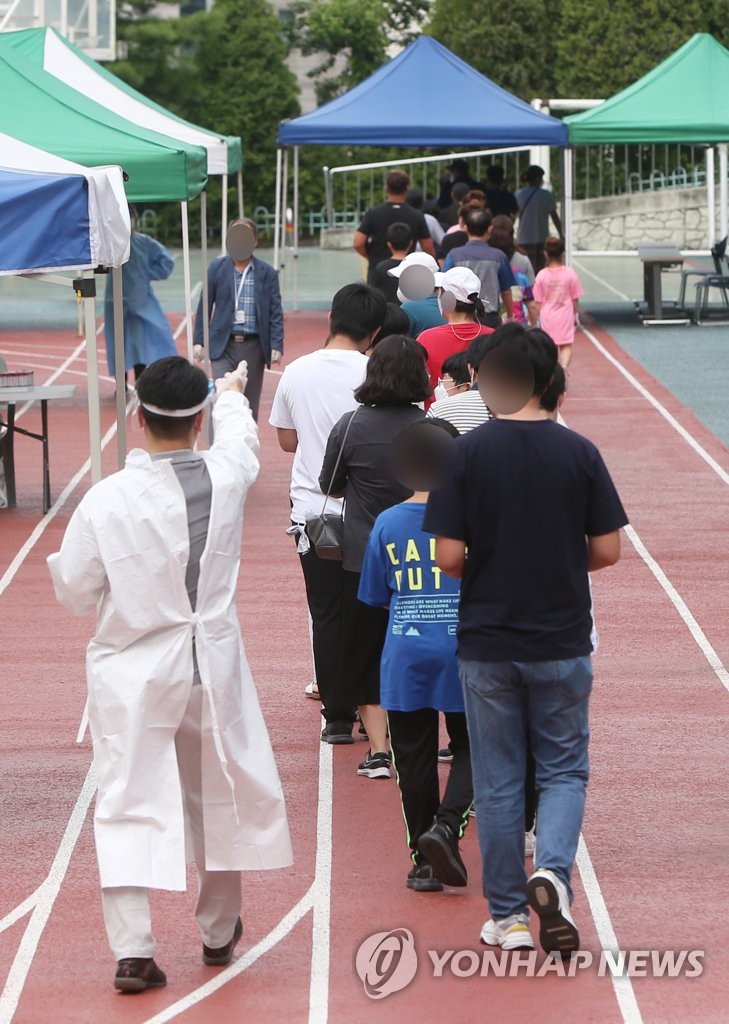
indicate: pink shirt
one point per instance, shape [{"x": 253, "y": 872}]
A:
[{"x": 556, "y": 289}]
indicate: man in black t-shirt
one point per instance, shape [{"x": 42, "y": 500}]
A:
[
  {"x": 370, "y": 238},
  {"x": 534, "y": 507}
]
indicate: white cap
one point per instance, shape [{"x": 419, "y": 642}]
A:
[
  {"x": 460, "y": 282},
  {"x": 415, "y": 259}
]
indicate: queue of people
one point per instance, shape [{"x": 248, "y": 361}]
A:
[{"x": 470, "y": 520}]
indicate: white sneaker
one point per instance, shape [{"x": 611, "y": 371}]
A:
[
  {"x": 529, "y": 843},
  {"x": 548, "y": 896},
  {"x": 311, "y": 690},
  {"x": 509, "y": 933}
]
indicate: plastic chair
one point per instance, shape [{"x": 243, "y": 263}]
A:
[{"x": 718, "y": 252}]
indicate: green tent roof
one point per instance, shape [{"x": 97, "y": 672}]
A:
[
  {"x": 683, "y": 99},
  {"x": 44, "y": 112},
  {"x": 48, "y": 49}
]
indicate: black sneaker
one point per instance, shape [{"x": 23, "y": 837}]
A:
[
  {"x": 136, "y": 973},
  {"x": 422, "y": 878},
  {"x": 376, "y": 766},
  {"x": 222, "y": 956},
  {"x": 439, "y": 846},
  {"x": 337, "y": 732},
  {"x": 445, "y": 755}
]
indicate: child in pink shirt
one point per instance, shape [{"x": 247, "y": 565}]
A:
[{"x": 557, "y": 289}]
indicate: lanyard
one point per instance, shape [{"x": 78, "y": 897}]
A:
[{"x": 243, "y": 277}]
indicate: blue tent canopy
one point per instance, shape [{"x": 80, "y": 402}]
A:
[
  {"x": 44, "y": 221},
  {"x": 426, "y": 96}
]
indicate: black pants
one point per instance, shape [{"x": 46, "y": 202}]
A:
[
  {"x": 414, "y": 739},
  {"x": 324, "y": 581},
  {"x": 364, "y": 629}
]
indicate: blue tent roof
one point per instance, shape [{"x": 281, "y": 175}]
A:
[
  {"x": 44, "y": 221},
  {"x": 426, "y": 96}
]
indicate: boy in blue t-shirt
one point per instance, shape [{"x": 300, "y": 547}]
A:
[{"x": 419, "y": 678}]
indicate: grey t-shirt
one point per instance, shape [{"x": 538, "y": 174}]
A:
[{"x": 192, "y": 472}]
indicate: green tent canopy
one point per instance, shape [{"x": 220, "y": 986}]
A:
[
  {"x": 39, "y": 109},
  {"x": 682, "y": 100},
  {"x": 48, "y": 49}
]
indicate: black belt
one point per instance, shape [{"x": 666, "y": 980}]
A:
[{"x": 242, "y": 337}]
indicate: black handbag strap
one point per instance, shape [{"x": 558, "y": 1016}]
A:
[{"x": 339, "y": 459}]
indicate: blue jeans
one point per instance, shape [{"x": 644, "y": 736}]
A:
[{"x": 505, "y": 702}]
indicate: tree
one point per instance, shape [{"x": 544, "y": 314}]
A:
[
  {"x": 352, "y": 36},
  {"x": 512, "y": 44},
  {"x": 602, "y": 48}
]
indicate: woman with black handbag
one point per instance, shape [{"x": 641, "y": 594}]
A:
[{"x": 357, "y": 467}]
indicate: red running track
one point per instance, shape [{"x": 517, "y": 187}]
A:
[{"x": 653, "y": 871}]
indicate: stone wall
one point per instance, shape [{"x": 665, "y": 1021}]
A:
[{"x": 621, "y": 222}]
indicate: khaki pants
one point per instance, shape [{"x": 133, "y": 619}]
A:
[{"x": 126, "y": 908}]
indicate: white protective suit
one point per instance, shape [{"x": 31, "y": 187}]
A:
[{"x": 127, "y": 543}]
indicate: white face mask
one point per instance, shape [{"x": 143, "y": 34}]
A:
[
  {"x": 439, "y": 392},
  {"x": 400, "y": 297}
]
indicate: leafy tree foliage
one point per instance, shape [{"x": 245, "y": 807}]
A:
[
  {"x": 352, "y": 37},
  {"x": 601, "y": 48},
  {"x": 512, "y": 44}
]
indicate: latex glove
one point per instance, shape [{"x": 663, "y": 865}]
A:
[
  {"x": 198, "y": 353},
  {"x": 234, "y": 380},
  {"x": 276, "y": 355}
]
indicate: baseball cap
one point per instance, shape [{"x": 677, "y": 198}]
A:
[
  {"x": 460, "y": 282},
  {"x": 414, "y": 259}
]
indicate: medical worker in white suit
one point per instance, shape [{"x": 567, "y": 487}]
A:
[{"x": 183, "y": 761}]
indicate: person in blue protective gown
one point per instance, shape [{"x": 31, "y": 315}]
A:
[{"x": 147, "y": 332}]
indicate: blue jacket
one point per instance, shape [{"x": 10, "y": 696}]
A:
[{"x": 221, "y": 299}]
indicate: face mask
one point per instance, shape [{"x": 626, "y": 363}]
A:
[
  {"x": 400, "y": 297},
  {"x": 439, "y": 392}
]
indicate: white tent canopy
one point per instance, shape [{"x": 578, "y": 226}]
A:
[{"x": 108, "y": 214}]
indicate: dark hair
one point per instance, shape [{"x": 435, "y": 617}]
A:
[
  {"x": 495, "y": 174},
  {"x": 472, "y": 204},
  {"x": 459, "y": 191},
  {"x": 397, "y": 182},
  {"x": 456, "y": 366},
  {"x": 475, "y": 309},
  {"x": 534, "y": 343},
  {"x": 476, "y": 195},
  {"x": 414, "y": 198},
  {"x": 244, "y": 220},
  {"x": 396, "y": 373},
  {"x": 396, "y": 322},
  {"x": 477, "y": 222},
  {"x": 459, "y": 165},
  {"x": 357, "y": 311},
  {"x": 503, "y": 222},
  {"x": 399, "y": 235},
  {"x": 533, "y": 174},
  {"x": 503, "y": 240},
  {"x": 554, "y": 247},
  {"x": 420, "y": 456},
  {"x": 477, "y": 350},
  {"x": 171, "y": 383},
  {"x": 555, "y": 389}
]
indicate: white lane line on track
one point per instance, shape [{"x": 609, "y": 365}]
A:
[
  {"x": 282, "y": 929},
  {"x": 317, "y": 897},
  {"x": 7, "y": 578},
  {"x": 681, "y": 607},
  {"x": 55, "y": 375},
  {"x": 47, "y": 894},
  {"x": 603, "y": 282},
  {"x": 622, "y": 986},
  {"x": 322, "y": 892},
  {"x": 20, "y": 911}
]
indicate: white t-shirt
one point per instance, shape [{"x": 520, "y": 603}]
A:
[{"x": 314, "y": 392}]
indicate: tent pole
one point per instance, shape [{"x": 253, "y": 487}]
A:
[
  {"x": 204, "y": 274},
  {"x": 240, "y": 194},
  {"x": 723, "y": 197},
  {"x": 92, "y": 378},
  {"x": 284, "y": 206},
  {"x": 223, "y": 215},
  {"x": 567, "y": 156},
  {"x": 186, "y": 272},
  {"x": 120, "y": 364},
  {"x": 296, "y": 228},
  {"x": 328, "y": 196},
  {"x": 710, "y": 195},
  {"x": 277, "y": 209}
]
